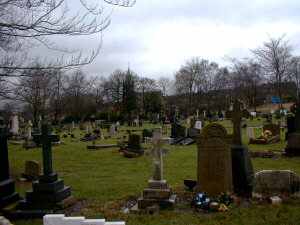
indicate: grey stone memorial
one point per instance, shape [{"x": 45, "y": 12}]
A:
[
  {"x": 158, "y": 191},
  {"x": 272, "y": 182},
  {"x": 7, "y": 185}
]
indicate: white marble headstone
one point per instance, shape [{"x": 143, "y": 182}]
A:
[
  {"x": 15, "y": 125},
  {"x": 198, "y": 125}
]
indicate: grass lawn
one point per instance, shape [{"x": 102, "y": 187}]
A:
[{"x": 104, "y": 179}]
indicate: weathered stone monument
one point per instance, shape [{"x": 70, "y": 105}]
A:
[
  {"x": 48, "y": 192},
  {"x": 158, "y": 191},
  {"x": 32, "y": 170},
  {"x": 7, "y": 185},
  {"x": 214, "y": 174},
  {"x": 242, "y": 169},
  {"x": 293, "y": 138},
  {"x": 271, "y": 182}
]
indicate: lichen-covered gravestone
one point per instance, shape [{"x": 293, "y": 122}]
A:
[
  {"x": 214, "y": 161},
  {"x": 32, "y": 170}
]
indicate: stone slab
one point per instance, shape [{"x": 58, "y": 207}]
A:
[{"x": 276, "y": 182}]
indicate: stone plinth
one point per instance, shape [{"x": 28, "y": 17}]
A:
[
  {"x": 157, "y": 193},
  {"x": 242, "y": 171}
]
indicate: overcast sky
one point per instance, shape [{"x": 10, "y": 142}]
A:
[{"x": 155, "y": 37}]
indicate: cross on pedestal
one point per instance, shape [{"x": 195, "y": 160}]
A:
[
  {"x": 46, "y": 138},
  {"x": 157, "y": 153},
  {"x": 236, "y": 120}
]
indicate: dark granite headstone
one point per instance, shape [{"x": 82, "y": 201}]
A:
[
  {"x": 7, "y": 185},
  {"x": 242, "y": 169},
  {"x": 293, "y": 144},
  {"x": 48, "y": 192}
]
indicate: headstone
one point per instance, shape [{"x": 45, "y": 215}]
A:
[
  {"x": 7, "y": 185},
  {"x": 250, "y": 133},
  {"x": 15, "y": 125},
  {"x": 158, "y": 191},
  {"x": 32, "y": 170},
  {"x": 73, "y": 125},
  {"x": 29, "y": 130},
  {"x": 293, "y": 143},
  {"x": 198, "y": 124},
  {"x": 214, "y": 161},
  {"x": 276, "y": 182},
  {"x": 48, "y": 191},
  {"x": 112, "y": 130},
  {"x": 242, "y": 169}
]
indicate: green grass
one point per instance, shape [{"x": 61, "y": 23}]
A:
[{"x": 105, "y": 178}]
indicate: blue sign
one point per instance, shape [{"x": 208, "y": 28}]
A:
[{"x": 275, "y": 100}]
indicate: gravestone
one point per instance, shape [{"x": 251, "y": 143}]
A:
[
  {"x": 48, "y": 192},
  {"x": 293, "y": 143},
  {"x": 273, "y": 182},
  {"x": 158, "y": 191},
  {"x": 32, "y": 170},
  {"x": 15, "y": 125},
  {"x": 250, "y": 133},
  {"x": 198, "y": 124},
  {"x": 7, "y": 185},
  {"x": 112, "y": 130},
  {"x": 214, "y": 173},
  {"x": 242, "y": 169}
]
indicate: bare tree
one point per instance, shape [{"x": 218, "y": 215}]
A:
[
  {"x": 294, "y": 74},
  {"x": 274, "y": 56},
  {"x": 35, "y": 89},
  {"x": 165, "y": 85},
  {"x": 25, "y": 24}
]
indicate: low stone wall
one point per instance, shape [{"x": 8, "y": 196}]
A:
[{"x": 60, "y": 219}]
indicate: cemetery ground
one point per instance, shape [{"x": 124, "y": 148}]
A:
[{"x": 104, "y": 180}]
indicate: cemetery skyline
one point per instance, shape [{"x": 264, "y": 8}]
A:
[{"x": 156, "y": 37}]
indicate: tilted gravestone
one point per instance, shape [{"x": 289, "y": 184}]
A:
[
  {"x": 48, "y": 191},
  {"x": 7, "y": 185},
  {"x": 242, "y": 169},
  {"x": 32, "y": 170},
  {"x": 214, "y": 173},
  {"x": 293, "y": 144}
]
